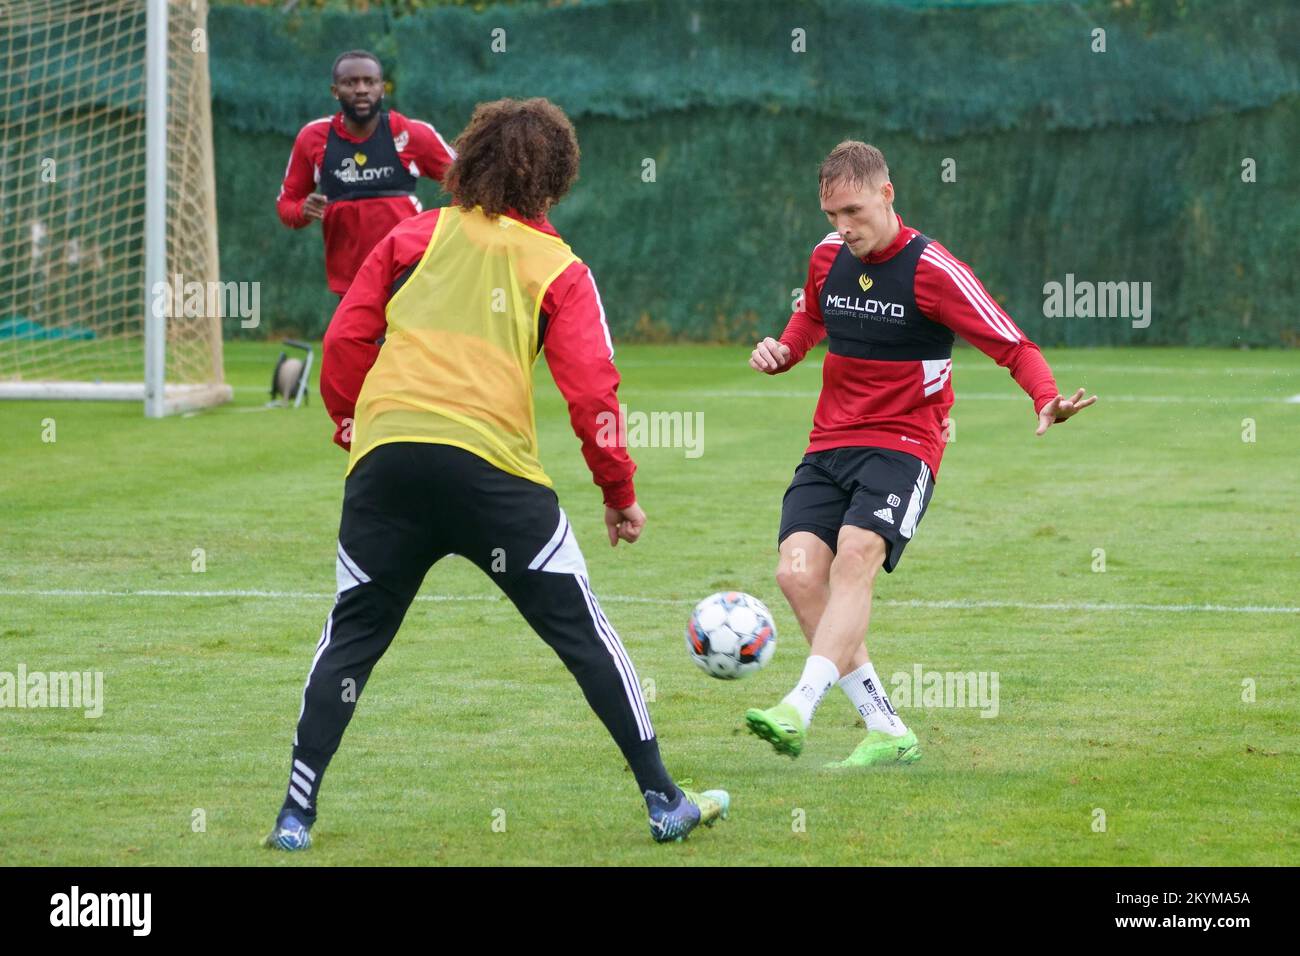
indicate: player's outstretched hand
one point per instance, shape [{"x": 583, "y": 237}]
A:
[
  {"x": 1061, "y": 408},
  {"x": 314, "y": 206},
  {"x": 625, "y": 523},
  {"x": 769, "y": 356}
]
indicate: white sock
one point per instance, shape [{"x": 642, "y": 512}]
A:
[
  {"x": 819, "y": 673},
  {"x": 868, "y": 695}
]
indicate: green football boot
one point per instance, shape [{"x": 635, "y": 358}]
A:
[
  {"x": 781, "y": 726},
  {"x": 880, "y": 748},
  {"x": 672, "y": 823},
  {"x": 714, "y": 805}
]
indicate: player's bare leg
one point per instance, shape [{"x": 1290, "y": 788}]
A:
[
  {"x": 860, "y": 554},
  {"x": 842, "y": 628},
  {"x": 830, "y": 595},
  {"x": 803, "y": 575}
]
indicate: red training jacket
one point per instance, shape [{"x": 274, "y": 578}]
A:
[
  {"x": 351, "y": 227},
  {"x": 884, "y": 404}
]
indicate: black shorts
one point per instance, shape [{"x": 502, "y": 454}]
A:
[
  {"x": 879, "y": 489},
  {"x": 409, "y": 504}
]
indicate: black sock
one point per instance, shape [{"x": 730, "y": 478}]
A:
[{"x": 648, "y": 768}]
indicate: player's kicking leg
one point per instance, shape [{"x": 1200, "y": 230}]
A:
[
  {"x": 842, "y": 520},
  {"x": 888, "y": 739},
  {"x": 830, "y": 595}
]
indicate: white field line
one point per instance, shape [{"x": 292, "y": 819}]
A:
[
  {"x": 998, "y": 396},
  {"x": 956, "y": 604},
  {"x": 961, "y": 396},
  {"x": 988, "y": 366},
  {"x": 1085, "y": 368}
]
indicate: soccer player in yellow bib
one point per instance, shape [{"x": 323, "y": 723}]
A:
[{"x": 438, "y": 422}]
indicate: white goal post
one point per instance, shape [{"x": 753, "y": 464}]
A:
[{"x": 108, "y": 204}]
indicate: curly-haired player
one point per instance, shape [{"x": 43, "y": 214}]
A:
[{"x": 443, "y": 447}]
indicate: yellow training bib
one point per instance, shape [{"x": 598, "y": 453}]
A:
[{"x": 456, "y": 366}]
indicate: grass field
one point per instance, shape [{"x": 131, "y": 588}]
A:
[{"x": 1119, "y": 691}]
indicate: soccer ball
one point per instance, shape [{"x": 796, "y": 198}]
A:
[{"x": 730, "y": 634}]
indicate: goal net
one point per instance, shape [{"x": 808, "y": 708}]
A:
[{"x": 107, "y": 204}]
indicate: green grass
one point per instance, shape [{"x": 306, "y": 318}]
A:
[{"x": 1138, "y": 712}]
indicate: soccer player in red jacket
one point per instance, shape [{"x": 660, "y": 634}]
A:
[
  {"x": 889, "y": 300},
  {"x": 356, "y": 171},
  {"x": 443, "y": 456}
]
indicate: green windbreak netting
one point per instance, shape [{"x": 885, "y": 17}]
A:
[{"x": 1168, "y": 157}]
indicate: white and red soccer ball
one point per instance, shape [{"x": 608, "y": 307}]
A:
[{"x": 730, "y": 634}]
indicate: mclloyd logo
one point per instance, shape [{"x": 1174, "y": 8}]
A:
[
  {"x": 866, "y": 282},
  {"x": 866, "y": 306}
]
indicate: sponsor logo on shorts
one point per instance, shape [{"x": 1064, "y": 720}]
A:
[{"x": 885, "y": 514}]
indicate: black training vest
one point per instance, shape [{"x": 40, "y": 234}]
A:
[
  {"x": 870, "y": 309},
  {"x": 365, "y": 170}
]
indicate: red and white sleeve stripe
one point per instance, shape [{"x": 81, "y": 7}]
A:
[
  {"x": 948, "y": 292},
  {"x": 967, "y": 298}
]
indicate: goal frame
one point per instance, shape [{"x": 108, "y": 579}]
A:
[{"x": 159, "y": 397}]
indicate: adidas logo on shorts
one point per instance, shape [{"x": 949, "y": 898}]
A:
[{"x": 885, "y": 514}]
